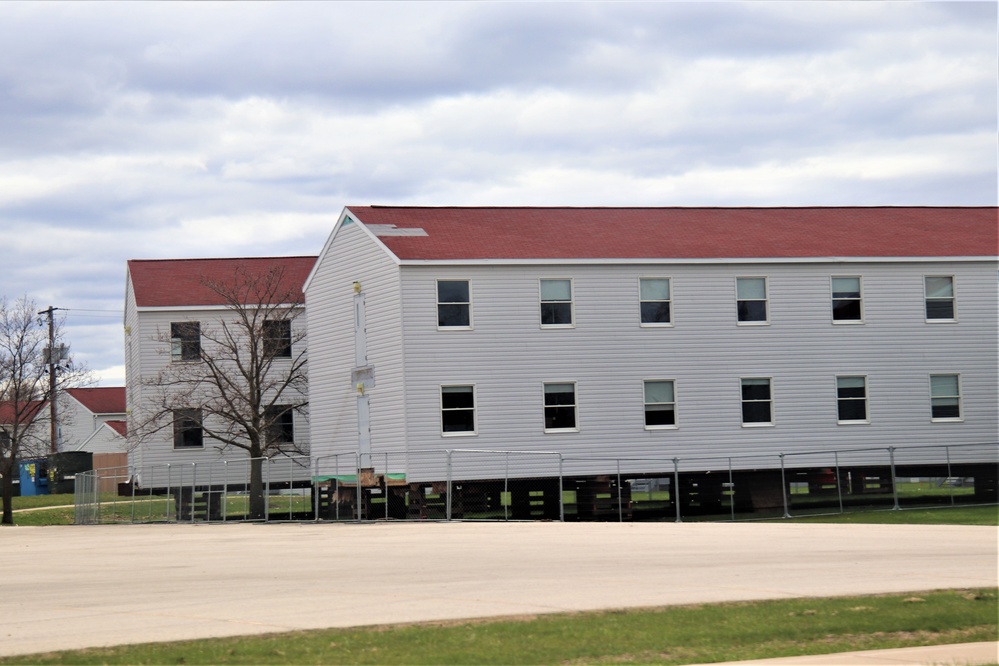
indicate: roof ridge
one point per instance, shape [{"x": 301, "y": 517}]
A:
[{"x": 857, "y": 207}]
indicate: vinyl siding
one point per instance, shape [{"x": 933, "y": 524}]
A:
[
  {"x": 508, "y": 357},
  {"x": 353, "y": 256}
]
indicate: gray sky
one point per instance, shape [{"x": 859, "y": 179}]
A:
[{"x": 164, "y": 130}]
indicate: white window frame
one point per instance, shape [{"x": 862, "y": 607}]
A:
[
  {"x": 866, "y": 400},
  {"x": 575, "y": 406},
  {"x": 475, "y": 411},
  {"x": 645, "y": 405},
  {"x": 960, "y": 399},
  {"x": 437, "y": 298},
  {"x": 766, "y": 300},
  {"x": 571, "y": 301},
  {"x": 833, "y": 299},
  {"x": 773, "y": 416},
  {"x": 668, "y": 301},
  {"x": 953, "y": 300}
]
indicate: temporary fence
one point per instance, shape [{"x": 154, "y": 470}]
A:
[{"x": 470, "y": 484}]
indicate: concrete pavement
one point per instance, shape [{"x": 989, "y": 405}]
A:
[{"x": 72, "y": 587}]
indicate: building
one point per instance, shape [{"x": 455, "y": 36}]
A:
[
  {"x": 180, "y": 313},
  {"x": 92, "y": 419},
  {"x": 654, "y": 341}
]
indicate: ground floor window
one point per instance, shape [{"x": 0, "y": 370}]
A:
[
  {"x": 560, "y": 406},
  {"x": 187, "y": 431},
  {"x": 660, "y": 404},
  {"x": 458, "y": 410},
  {"x": 945, "y": 397},
  {"x": 757, "y": 401},
  {"x": 851, "y": 399}
]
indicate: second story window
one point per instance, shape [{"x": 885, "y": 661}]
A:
[
  {"x": 940, "y": 298},
  {"x": 556, "y": 303},
  {"x": 654, "y": 300},
  {"x": 454, "y": 304},
  {"x": 751, "y": 304},
  {"x": 277, "y": 338},
  {"x": 847, "y": 305},
  {"x": 185, "y": 341}
]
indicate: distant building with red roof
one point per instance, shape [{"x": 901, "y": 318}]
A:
[
  {"x": 654, "y": 343},
  {"x": 172, "y": 308},
  {"x": 82, "y": 413}
]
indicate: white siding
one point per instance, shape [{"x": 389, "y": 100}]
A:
[
  {"x": 354, "y": 257},
  {"x": 508, "y": 356}
]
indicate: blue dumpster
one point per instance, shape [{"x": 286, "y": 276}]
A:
[{"x": 34, "y": 477}]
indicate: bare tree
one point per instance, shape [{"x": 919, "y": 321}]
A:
[
  {"x": 25, "y": 388},
  {"x": 236, "y": 380}
]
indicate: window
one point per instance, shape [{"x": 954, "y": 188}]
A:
[
  {"x": 560, "y": 406},
  {"x": 280, "y": 422},
  {"x": 187, "y": 432},
  {"x": 277, "y": 338},
  {"x": 458, "y": 410},
  {"x": 454, "y": 304},
  {"x": 751, "y": 305},
  {"x": 185, "y": 341},
  {"x": 847, "y": 304},
  {"x": 939, "y": 298},
  {"x": 660, "y": 404},
  {"x": 945, "y": 397},
  {"x": 654, "y": 300},
  {"x": 851, "y": 399},
  {"x": 757, "y": 403},
  {"x": 556, "y": 302}
]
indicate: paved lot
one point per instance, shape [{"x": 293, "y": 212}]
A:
[{"x": 69, "y": 587}]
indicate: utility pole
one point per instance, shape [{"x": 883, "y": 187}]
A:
[{"x": 53, "y": 361}]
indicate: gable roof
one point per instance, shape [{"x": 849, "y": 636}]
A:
[
  {"x": 118, "y": 426},
  {"x": 101, "y": 399},
  {"x": 29, "y": 411},
  {"x": 526, "y": 233},
  {"x": 181, "y": 282}
]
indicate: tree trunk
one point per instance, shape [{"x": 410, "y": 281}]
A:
[
  {"x": 257, "y": 508},
  {"x": 8, "y": 492}
]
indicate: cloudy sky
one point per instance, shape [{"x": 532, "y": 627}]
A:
[{"x": 149, "y": 130}]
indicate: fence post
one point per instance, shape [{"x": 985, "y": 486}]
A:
[
  {"x": 894, "y": 481},
  {"x": 358, "y": 461},
  {"x": 620, "y": 510},
  {"x": 839, "y": 482},
  {"x": 447, "y": 504},
  {"x": 731, "y": 489},
  {"x": 225, "y": 490},
  {"x": 385, "y": 485},
  {"x": 266, "y": 470},
  {"x": 561, "y": 492},
  {"x": 506, "y": 487},
  {"x": 676, "y": 488},
  {"x": 166, "y": 510},
  {"x": 131, "y": 479},
  {"x": 950, "y": 487},
  {"x": 783, "y": 486}
]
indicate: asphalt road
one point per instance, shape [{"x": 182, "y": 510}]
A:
[{"x": 72, "y": 587}]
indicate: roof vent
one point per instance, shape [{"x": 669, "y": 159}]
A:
[{"x": 392, "y": 230}]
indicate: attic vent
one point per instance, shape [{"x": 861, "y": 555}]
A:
[{"x": 392, "y": 230}]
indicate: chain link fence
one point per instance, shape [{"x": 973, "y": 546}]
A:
[{"x": 489, "y": 485}]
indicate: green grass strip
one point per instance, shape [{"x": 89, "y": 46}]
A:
[{"x": 671, "y": 635}]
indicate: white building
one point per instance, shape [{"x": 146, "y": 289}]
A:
[
  {"x": 92, "y": 419},
  {"x": 171, "y": 315},
  {"x": 662, "y": 338}
]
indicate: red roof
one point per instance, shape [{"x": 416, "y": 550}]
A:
[
  {"x": 29, "y": 411},
  {"x": 118, "y": 426},
  {"x": 182, "y": 282},
  {"x": 101, "y": 400},
  {"x": 682, "y": 233}
]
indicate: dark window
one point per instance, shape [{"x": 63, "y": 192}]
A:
[
  {"x": 454, "y": 304},
  {"x": 940, "y": 297},
  {"x": 457, "y": 409},
  {"x": 846, "y": 301},
  {"x": 654, "y": 300},
  {"x": 556, "y": 302},
  {"x": 851, "y": 398},
  {"x": 277, "y": 338},
  {"x": 280, "y": 424},
  {"x": 756, "y": 401},
  {"x": 185, "y": 341},
  {"x": 945, "y": 396},
  {"x": 660, "y": 404},
  {"x": 560, "y": 406},
  {"x": 187, "y": 432},
  {"x": 751, "y": 302}
]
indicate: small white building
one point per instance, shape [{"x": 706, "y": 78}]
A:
[
  {"x": 652, "y": 340},
  {"x": 83, "y": 415},
  {"x": 170, "y": 313}
]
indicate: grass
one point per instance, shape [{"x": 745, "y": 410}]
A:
[
  {"x": 960, "y": 515},
  {"x": 672, "y": 635}
]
